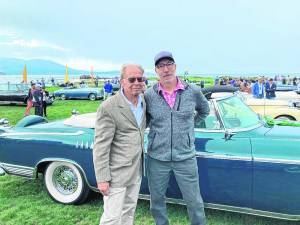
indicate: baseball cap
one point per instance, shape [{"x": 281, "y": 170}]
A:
[{"x": 163, "y": 55}]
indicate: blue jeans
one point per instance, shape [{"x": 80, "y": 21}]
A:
[{"x": 186, "y": 174}]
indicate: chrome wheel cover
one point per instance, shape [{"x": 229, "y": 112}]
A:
[{"x": 65, "y": 180}]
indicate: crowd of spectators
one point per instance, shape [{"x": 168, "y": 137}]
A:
[{"x": 261, "y": 87}]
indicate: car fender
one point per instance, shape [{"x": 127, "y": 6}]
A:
[{"x": 31, "y": 120}]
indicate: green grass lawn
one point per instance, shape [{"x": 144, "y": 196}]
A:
[
  {"x": 24, "y": 201},
  {"x": 59, "y": 110}
]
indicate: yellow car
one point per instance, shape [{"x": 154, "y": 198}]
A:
[
  {"x": 285, "y": 106},
  {"x": 277, "y": 109}
]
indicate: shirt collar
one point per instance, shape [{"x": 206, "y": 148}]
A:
[
  {"x": 179, "y": 86},
  {"x": 129, "y": 102}
]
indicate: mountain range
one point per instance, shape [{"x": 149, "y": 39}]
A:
[{"x": 13, "y": 66}]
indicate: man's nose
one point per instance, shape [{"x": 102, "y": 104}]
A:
[{"x": 165, "y": 68}]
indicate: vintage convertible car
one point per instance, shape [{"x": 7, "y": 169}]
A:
[
  {"x": 17, "y": 94},
  {"x": 282, "y": 109},
  {"x": 79, "y": 93},
  {"x": 245, "y": 165},
  {"x": 286, "y": 106}
]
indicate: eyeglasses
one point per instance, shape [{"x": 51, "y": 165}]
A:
[
  {"x": 162, "y": 65},
  {"x": 133, "y": 79}
]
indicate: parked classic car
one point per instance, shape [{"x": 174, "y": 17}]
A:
[
  {"x": 79, "y": 93},
  {"x": 286, "y": 87},
  {"x": 17, "y": 93},
  {"x": 245, "y": 165},
  {"x": 277, "y": 109},
  {"x": 284, "y": 107}
]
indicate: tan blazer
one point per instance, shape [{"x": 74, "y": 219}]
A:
[{"x": 119, "y": 143}]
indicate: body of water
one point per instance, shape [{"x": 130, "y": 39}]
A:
[{"x": 58, "y": 78}]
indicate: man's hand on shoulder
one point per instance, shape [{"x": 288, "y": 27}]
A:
[{"x": 103, "y": 188}]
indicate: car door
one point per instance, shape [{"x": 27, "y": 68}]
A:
[
  {"x": 225, "y": 165},
  {"x": 276, "y": 172}
]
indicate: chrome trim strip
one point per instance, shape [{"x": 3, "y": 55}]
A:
[
  {"x": 217, "y": 156},
  {"x": 244, "y": 210},
  {"x": 245, "y": 158},
  {"x": 17, "y": 170},
  {"x": 203, "y": 130},
  {"x": 251, "y": 211},
  {"x": 43, "y": 133},
  {"x": 282, "y": 161}
]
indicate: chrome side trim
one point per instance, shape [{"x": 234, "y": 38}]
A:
[
  {"x": 243, "y": 210},
  {"x": 68, "y": 161},
  {"x": 42, "y": 133},
  {"x": 252, "y": 211},
  {"x": 245, "y": 158},
  {"x": 217, "y": 156},
  {"x": 204, "y": 130},
  {"x": 23, "y": 171},
  {"x": 279, "y": 161}
]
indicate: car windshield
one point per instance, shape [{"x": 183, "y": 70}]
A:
[
  {"x": 14, "y": 87},
  {"x": 236, "y": 114}
]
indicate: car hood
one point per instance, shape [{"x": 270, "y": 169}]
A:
[{"x": 284, "y": 132}]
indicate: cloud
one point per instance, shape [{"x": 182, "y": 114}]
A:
[
  {"x": 33, "y": 43},
  {"x": 97, "y": 65},
  {"x": 8, "y": 34},
  {"x": 87, "y": 64},
  {"x": 14, "y": 39}
]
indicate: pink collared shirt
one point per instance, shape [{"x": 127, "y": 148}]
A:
[{"x": 170, "y": 98}]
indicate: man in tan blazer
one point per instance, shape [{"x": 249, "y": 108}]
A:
[{"x": 117, "y": 154}]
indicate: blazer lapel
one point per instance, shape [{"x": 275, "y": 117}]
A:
[
  {"x": 125, "y": 109},
  {"x": 144, "y": 111}
]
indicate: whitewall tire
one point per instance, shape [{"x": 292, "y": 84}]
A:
[{"x": 65, "y": 183}]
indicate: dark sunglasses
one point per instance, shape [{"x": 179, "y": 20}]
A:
[{"x": 133, "y": 79}]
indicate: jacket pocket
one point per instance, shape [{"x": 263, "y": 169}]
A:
[{"x": 151, "y": 138}]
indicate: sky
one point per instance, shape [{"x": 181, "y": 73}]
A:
[{"x": 204, "y": 36}]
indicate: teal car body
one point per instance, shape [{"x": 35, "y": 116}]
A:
[{"x": 245, "y": 165}]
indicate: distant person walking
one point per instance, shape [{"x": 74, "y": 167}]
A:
[
  {"x": 29, "y": 99},
  {"x": 52, "y": 81},
  {"x": 96, "y": 81},
  {"x": 108, "y": 89},
  {"x": 270, "y": 89},
  {"x": 258, "y": 88},
  {"x": 45, "y": 95},
  {"x": 37, "y": 98}
]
